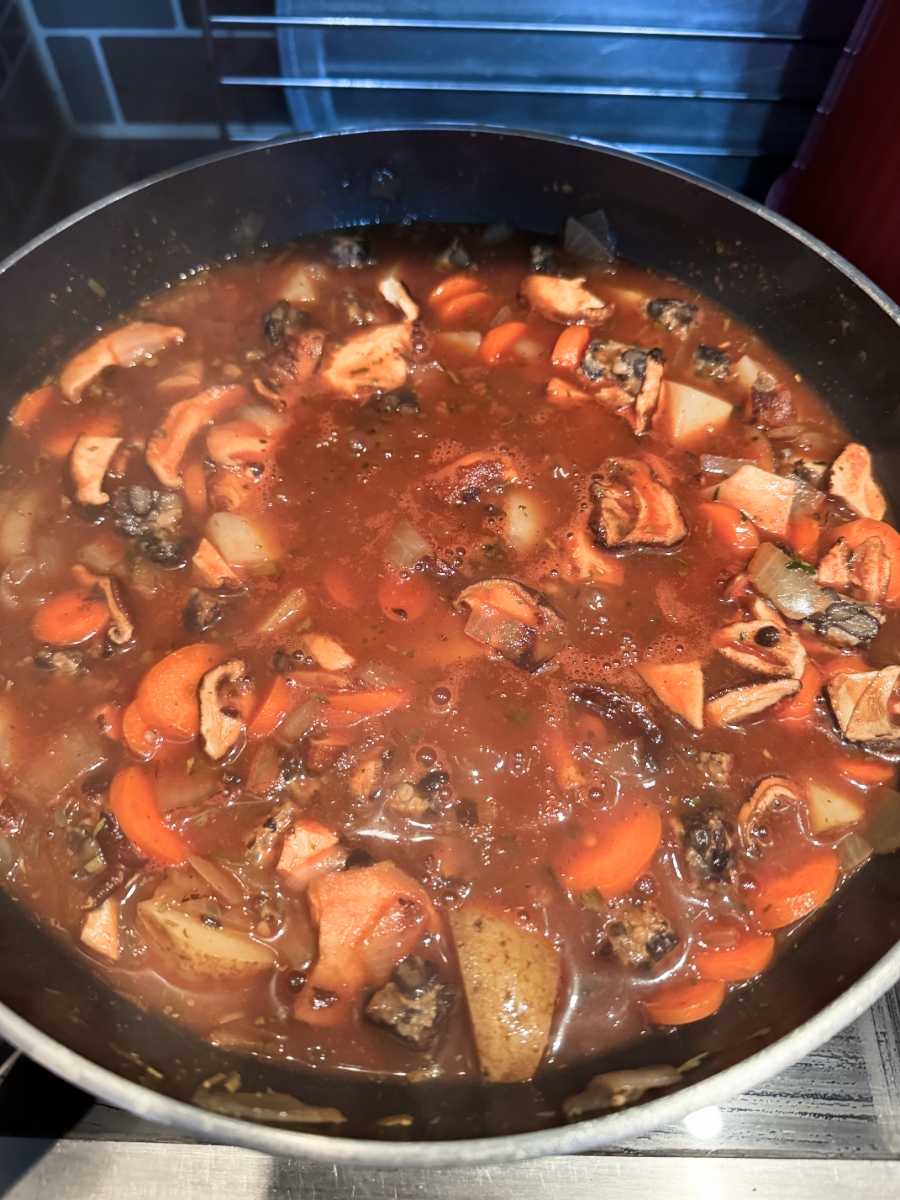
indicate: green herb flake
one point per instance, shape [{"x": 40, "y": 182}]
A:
[
  {"x": 592, "y": 899},
  {"x": 522, "y": 717}
]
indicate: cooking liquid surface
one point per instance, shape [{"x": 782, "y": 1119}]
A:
[{"x": 525, "y": 770}]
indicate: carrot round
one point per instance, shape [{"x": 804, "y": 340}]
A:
[
  {"x": 459, "y": 307},
  {"x": 682, "y": 1003},
  {"x": 371, "y": 703},
  {"x": 141, "y": 740},
  {"x": 404, "y": 599},
  {"x": 803, "y": 537},
  {"x": 498, "y": 342},
  {"x": 867, "y": 771},
  {"x": 855, "y": 533},
  {"x": 802, "y": 705},
  {"x": 748, "y": 958},
  {"x": 31, "y": 406},
  {"x": 784, "y": 899},
  {"x": 132, "y": 801},
  {"x": 611, "y": 857},
  {"x": 454, "y": 285},
  {"x": 728, "y": 527},
  {"x": 570, "y": 347},
  {"x": 341, "y": 588},
  {"x": 69, "y": 618},
  {"x": 280, "y": 699},
  {"x": 167, "y": 695}
]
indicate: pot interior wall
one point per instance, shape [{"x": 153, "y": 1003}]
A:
[{"x": 830, "y": 330}]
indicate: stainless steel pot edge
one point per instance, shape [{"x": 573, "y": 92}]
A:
[{"x": 586, "y": 1135}]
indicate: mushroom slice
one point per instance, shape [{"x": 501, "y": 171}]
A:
[
  {"x": 632, "y": 508},
  {"x": 566, "y": 301},
  {"x": 676, "y": 316},
  {"x": 168, "y": 443},
  {"x": 221, "y": 724},
  {"x": 742, "y": 702},
  {"x": 861, "y": 704},
  {"x": 864, "y": 572},
  {"x": 212, "y": 567},
  {"x": 464, "y": 480},
  {"x": 773, "y": 792},
  {"x": 851, "y": 481},
  {"x": 396, "y": 293},
  {"x": 374, "y": 360},
  {"x": 124, "y": 347},
  {"x": 88, "y": 463},
  {"x": 512, "y": 620},
  {"x": 290, "y": 367},
  {"x": 121, "y": 628},
  {"x": 762, "y": 646}
]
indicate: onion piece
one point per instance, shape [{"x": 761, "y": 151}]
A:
[
  {"x": 240, "y": 541},
  {"x": 406, "y": 547},
  {"x": 884, "y": 825},
  {"x": 293, "y": 605},
  {"x": 301, "y": 720},
  {"x": 226, "y": 886},
  {"x": 807, "y": 499},
  {"x": 792, "y": 590},
  {"x": 590, "y": 237},
  {"x": 466, "y": 342},
  {"x": 853, "y": 851},
  {"x": 717, "y": 464}
]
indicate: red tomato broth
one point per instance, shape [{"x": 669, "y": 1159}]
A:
[{"x": 341, "y": 479}]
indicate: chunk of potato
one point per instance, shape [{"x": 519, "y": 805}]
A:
[
  {"x": 511, "y": 977},
  {"x": 687, "y": 415},
  {"x": 197, "y": 950},
  {"x": 831, "y": 810}
]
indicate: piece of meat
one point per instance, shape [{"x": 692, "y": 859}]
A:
[
  {"x": 739, "y": 703},
  {"x": 325, "y": 651},
  {"x": 676, "y": 316},
  {"x": 100, "y": 930},
  {"x": 124, "y": 347},
  {"x": 851, "y": 481},
  {"x": 202, "y": 611},
  {"x": 221, "y": 722},
  {"x": 367, "y": 775},
  {"x": 708, "y": 840},
  {"x": 89, "y": 461},
  {"x": 412, "y": 1005},
  {"x": 396, "y": 293},
  {"x": 763, "y": 647},
  {"x": 861, "y": 702},
  {"x": 566, "y": 301},
  {"x": 283, "y": 321},
  {"x": 591, "y": 562},
  {"x": 168, "y": 443},
  {"x": 627, "y": 716},
  {"x": 513, "y": 620},
  {"x": 350, "y": 250},
  {"x": 772, "y": 793},
  {"x": 632, "y": 508},
  {"x": 626, "y": 378},
  {"x": 864, "y": 572},
  {"x": 563, "y": 394},
  {"x": 375, "y": 360},
  {"x": 716, "y": 765},
  {"x": 286, "y": 373},
  {"x": 845, "y": 623},
  {"x": 464, "y": 480},
  {"x": 770, "y": 405},
  {"x": 264, "y": 842},
  {"x": 212, "y": 568},
  {"x": 154, "y": 518},
  {"x": 639, "y": 935},
  {"x": 711, "y": 363},
  {"x": 121, "y": 628}
]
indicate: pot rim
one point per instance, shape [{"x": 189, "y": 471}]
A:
[{"x": 584, "y": 1135}]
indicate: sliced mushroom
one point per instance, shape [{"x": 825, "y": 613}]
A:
[
  {"x": 464, "y": 480},
  {"x": 763, "y": 647},
  {"x": 88, "y": 463},
  {"x": 513, "y": 620},
  {"x": 221, "y": 724},
  {"x": 772, "y": 793},
  {"x": 639, "y": 935},
  {"x": 396, "y": 293},
  {"x": 286, "y": 372},
  {"x": 566, "y": 301},
  {"x": 212, "y": 567},
  {"x": 864, "y": 572},
  {"x": 851, "y": 481},
  {"x": 168, "y": 443},
  {"x": 676, "y": 316},
  {"x": 121, "y": 628},
  {"x": 374, "y": 360},
  {"x": 742, "y": 702},
  {"x": 861, "y": 703},
  {"x": 124, "y": 347},
  {"x": 615, "y": 1089},
  {"x": 632, "y": 508}
]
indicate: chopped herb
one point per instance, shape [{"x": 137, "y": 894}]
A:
[
  {"x": 415, "y": 735},
  {"x": 797, "y": 564},
  {"x": 592, "y": 899},
  {"x": 522, "y": 717}
]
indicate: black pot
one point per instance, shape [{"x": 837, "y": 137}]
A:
[{"x": 832, "y": 325}]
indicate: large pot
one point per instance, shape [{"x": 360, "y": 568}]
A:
[{"x": 830, "y": 323}]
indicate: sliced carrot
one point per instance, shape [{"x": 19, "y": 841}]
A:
[
  {"x": 728, "y": 527},
  {"x": 803, "y": 537},
  {"x": 69, "y": 618},
  {"x": 785, "y": 898},
  {"x": 498, "y": 342},
  {"x": 682, "y": 1003},
  {"x": 108, "y": 719},
  {"x": 564, "y": 394},
  {"x": 679, "y": 686},
  {"x": 195, "y": 492},
  {"x": 57, "y": 442},
  {"x": 167, "y": 695},
  {"x": 132, "y": 801},
  {"x": 866, "y": 771},
  {"x": 404, "y": 597},
  {"x": 455, "y": 285},
  {"x": 611, "y": 857},
  {"x": 373, "y": 703},
  {"x": 30, "y": 407},
  {"x": 341, "y": 588},
  {"x": 280, "y": 699},
  {"x": 570, "y": 347},
  {"x": 141, "y": 740},
  {"x": 841, "y": 664},
  {"x": 802, "y": 705},
  {"x": 746, "y": 959},
  {"x": 857, "y": 532},
  {"x": 461, "y": 307}
]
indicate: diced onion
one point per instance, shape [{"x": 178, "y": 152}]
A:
[
  {"x": 293, "y": 605},
  {"x": 466, "y": 341},
  {"x": 794, "y": 592},
  {"x": 854, "y": 850},
  {"x": 406, "y": 547},
  {"x": 301, "y": 720},
  {"x": 746, "y": 370},
  {"x": 240, "y": 541},
  {"x": 524, "y": 524},
  {"x": 716, "y": 464},
  {"x": 263, "y": 416},
  {"x": 222, "y": 882},
  {"x": 12, "y": 579},
  {"x": 884, "y": 827},
  {"x": 16, "y": 525}
]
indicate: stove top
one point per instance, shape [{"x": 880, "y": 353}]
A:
[{"x": 827, "y": 1128}]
